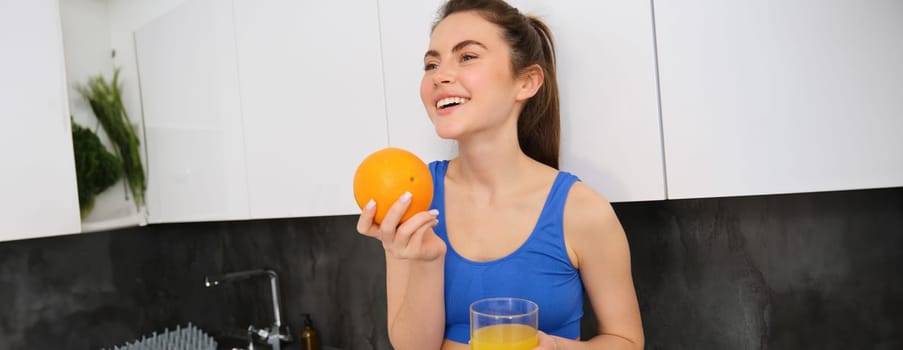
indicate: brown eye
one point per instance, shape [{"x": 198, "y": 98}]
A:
[{"x": 430, "y": 66}]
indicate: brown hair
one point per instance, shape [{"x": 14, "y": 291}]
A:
[{"x": 530, "y": 40}]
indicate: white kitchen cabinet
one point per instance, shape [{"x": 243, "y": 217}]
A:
[
  {"x": 312, "y": 102},
  {"x": 769, "y": 96},
  {"x": 38, "y": 193},
  {"x": 610, "y": 134},
  {"x": 405, "y": 37},
  {"x": 192, "y": 114}
]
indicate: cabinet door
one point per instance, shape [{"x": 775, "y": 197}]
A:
[
  {"x": 38, "y": 193},
  {"x": 770, "y": 96},
  {"x": 405, "y": 32},
  {"x": 610, "y": 133},
  {"x": 312, "y": 102},
  {"x": 192, "y": 114}
]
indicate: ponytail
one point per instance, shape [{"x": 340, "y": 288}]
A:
[{"x": 539, "y": 125}]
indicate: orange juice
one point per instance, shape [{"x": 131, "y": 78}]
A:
[{"x": 504, "y": 337}]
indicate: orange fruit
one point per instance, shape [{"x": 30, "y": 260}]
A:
[{"x": 387, "y": 174}]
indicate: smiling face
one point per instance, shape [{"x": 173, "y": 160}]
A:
[{"x": 468, "y": 86}]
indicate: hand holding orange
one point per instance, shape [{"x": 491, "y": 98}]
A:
[{"x": 385, "y": 175}]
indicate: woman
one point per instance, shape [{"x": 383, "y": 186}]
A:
[{"x": 505, "y": 221}]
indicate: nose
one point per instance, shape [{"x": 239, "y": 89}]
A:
[{"x": 443, "y": 75}]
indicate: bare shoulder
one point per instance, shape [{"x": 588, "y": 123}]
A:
[
  {"x": 602, "y": 254},
  {"x": 587, "y": 211},
  {"x": 590, "y": 223}
]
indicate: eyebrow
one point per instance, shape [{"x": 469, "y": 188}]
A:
[{"x": 456, "y": 48}]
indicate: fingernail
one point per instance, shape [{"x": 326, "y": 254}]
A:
[
  {"x": 434, "y": 212},
  {"x": 370, "y": 205},
  {"x": 406, "y": 197}
]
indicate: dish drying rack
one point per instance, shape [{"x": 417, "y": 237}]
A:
[{"x": 188, "y": 338}]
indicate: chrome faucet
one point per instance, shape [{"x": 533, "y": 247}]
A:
[{"x": 277, "y": 332}]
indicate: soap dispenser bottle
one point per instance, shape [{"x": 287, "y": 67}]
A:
[{"x": 310, "y": 340}]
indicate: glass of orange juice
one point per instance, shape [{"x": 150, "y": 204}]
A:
[{"x": 504, "y": 324}]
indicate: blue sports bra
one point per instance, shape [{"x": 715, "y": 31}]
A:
[{"x": 539, "y": 270}]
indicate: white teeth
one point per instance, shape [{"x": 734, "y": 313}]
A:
[{"x": 451, "y": 100}]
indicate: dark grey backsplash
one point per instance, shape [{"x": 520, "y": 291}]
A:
[
  {"x": 801, "y": 271},
  {"x": 90, "y": 291}
]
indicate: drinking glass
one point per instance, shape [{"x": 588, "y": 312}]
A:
[{"x": 504, "y": 324}]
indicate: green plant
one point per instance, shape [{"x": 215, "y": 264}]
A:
[
  {"x": 106, "y": 102},
  {"x": 96, "y": 169}
]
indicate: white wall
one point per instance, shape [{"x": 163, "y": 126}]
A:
[{"x": 86, "y": 25}]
